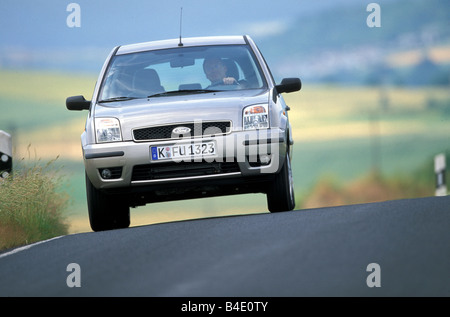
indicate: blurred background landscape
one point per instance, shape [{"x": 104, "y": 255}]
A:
[{"x": 372, "y": 114}]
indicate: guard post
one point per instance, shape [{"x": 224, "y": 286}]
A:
[
  {"x": 5, "y": 154},
  {"x": 439, "y": 169}
]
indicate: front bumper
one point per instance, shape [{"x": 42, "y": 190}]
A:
[{"x": 243, "y": 154}]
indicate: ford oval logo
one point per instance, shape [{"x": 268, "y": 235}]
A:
[{"x": 181, "y": 130}]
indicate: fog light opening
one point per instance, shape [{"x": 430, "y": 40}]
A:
[
  {"x": 265, "y": 159},
  {"x": 106, "y": 173}
]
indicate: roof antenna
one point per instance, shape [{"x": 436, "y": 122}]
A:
[{"x": 181, "y": 20}]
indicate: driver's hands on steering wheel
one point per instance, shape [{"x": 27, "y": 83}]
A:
[{"x": 230, "y": 81}]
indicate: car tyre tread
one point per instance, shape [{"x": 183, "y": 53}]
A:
[
  {"x": 280, "y": 193},
  {"x": 106, "y": 212}
]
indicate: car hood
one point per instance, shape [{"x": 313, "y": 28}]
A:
[{"x": 217, "y": 106}]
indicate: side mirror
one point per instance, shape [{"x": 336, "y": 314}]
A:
[
  {"x": 77, "y": 103},
  {"x": 289, "y": 85}
]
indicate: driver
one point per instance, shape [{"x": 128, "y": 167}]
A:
[{"x": 215, "y": 70}]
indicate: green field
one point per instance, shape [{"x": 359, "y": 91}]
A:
[{"x": 339, "y": 132}]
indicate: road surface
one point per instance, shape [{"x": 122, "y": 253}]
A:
[{"x": 393, "y": 248}]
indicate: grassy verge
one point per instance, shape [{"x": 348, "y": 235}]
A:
[
  {"x": 31, "y": 206},
  {"x": 371, "y": 187}
]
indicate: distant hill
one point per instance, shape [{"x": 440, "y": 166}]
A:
[{"x": 337, "y": 45}]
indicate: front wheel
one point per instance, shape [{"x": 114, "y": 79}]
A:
[
  {"x": 106, "y": 212},
  {"x": 280, "y": 193}
]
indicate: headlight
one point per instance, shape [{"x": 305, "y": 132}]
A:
[
  {"x": 107, "y": 130},
  {"x": 256, "y": 117}
]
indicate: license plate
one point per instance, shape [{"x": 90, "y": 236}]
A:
[{"x": 182, "y": 151}]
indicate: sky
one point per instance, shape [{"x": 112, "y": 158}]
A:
[{"x": 42, "y": 23}]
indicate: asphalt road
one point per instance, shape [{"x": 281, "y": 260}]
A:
[{"x": 317, "y": 252}]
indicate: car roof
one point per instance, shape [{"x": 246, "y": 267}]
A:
[{"x": 188, "y": 41}]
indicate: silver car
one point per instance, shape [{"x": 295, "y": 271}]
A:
[{"x": 185, "y": 118}]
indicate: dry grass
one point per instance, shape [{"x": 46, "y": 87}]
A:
[
  {"x": 372, "y": 187},
  {"x": 31, "y": 206}
]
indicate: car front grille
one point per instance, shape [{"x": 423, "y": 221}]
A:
[
  {"x": 182, "y": 169},
  {"x": 197, "y": 129}
]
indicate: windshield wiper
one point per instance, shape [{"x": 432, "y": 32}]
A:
[
  {"x": 182, "y": 92},
  {"x": 118, "y": 99}
]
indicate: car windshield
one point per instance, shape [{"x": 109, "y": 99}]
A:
[{"x": 182, "y": 70}]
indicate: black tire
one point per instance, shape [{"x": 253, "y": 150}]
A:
[
  {"x": 280, "y": 193},
  {"x": 106, "y": 212}
]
